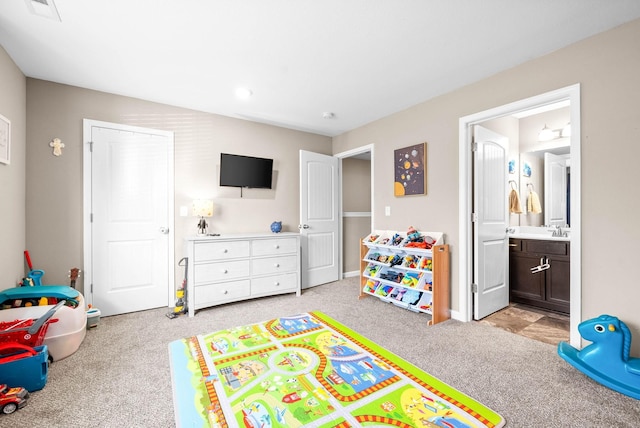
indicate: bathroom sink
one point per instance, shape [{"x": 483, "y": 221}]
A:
[{"x": 533, "y": 232}]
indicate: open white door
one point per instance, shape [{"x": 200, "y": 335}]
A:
[
  {"x": 319, "y": 218},
  {"x": 555, "y": 190},
  {"x": 129, "y": 205},
  {"x": 491, "y": 267}
]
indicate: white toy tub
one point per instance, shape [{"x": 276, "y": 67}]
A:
[{"x": 63, "y": 337}]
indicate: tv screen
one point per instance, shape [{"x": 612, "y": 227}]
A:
[{"x": 245, "y": 171}]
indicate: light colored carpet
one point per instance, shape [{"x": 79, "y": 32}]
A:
[{"x": 120, "y": 375}]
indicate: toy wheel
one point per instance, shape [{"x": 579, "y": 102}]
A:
[{"x": 9, "y": 408}]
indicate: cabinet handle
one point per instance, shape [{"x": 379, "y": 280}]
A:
[
  {"x": 225, "y": 271},
  {"x": 225, "y": 251},
  {"x": 225, "y": 292},
  {"x": 513, "y": 245},
  {"x": 277, "y": 246},
  {"x": 277, "y": 284},
  {"x": 277, "y": 265}
]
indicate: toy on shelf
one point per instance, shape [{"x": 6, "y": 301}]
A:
[
  {"x": 411, "y": 261},
  {"x": 606, "y": 359},
  {"x": 370, "y": 286},
  {"x": 425, "y": 264},
  {"x": 411, "y": 279}
]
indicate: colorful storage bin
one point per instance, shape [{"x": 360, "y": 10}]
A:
[{"x": 21, "y": 365}]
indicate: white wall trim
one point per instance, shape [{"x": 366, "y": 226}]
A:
[
  {"x": 465, "y": 268},
  {"x": 356, "y": 214},
  {"x": 351, "y": 274}
]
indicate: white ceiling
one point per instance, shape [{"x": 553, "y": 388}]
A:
[{"x": 359, "y": 59}]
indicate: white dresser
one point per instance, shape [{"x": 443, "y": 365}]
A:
[{"x": 230, "y": 268}]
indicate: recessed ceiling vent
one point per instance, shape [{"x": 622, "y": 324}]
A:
[{"x": 45, "y": 8}]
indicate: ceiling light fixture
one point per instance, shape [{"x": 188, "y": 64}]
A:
[
  {"x": 244, "y": 93},
  {"x": 328, "y": 115},
  {"x": 45, "y": 8}
]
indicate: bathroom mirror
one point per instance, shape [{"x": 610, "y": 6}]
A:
[{"x": 545, "y": 166}]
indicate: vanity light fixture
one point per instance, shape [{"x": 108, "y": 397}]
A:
[{"x": 546, "y": 134}]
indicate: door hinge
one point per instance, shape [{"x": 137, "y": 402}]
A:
[
  {"x": 91, "y": 287},
  {"x": 474, "y": 288},
  {"x": 91, "y": 146},
  {"x": 474, "y": 147},
  {"x": 474, "y": 217},
  {"x": 91, "y": 218}
]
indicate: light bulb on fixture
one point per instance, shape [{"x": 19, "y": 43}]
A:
[
  {"x": 244, "y": 93},
  {"x": 546, "y": 134}
]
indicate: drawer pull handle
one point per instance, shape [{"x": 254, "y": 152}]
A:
[
  {"x": 277, "y": 246},
  {"x": 277, "y": 284},
  {"x": 225, "y": 292},
  {"x": 225, "y": 251},
  {"x": 277, "y": 265},
  {"x": 225, "y": 271}
]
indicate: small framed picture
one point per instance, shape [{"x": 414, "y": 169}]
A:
[
  {"x": 5, "y": 140},
  {"x": 410, "y": 170},
  {"x": 526, "y": 170}
]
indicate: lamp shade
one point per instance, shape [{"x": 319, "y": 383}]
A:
[{"x": 202, "y": 208}]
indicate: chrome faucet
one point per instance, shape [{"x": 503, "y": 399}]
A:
[{"x": 558, "y": 232}]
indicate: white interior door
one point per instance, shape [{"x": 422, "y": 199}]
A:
[
  {"x": 491, "y": 267},
  {"x": 555, "y": 190},
  {"x": 319, "y": 218},
  {"x": 131, "y": 213}
]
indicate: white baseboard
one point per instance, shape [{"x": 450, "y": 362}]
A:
[{"x": 351, "y": 274}]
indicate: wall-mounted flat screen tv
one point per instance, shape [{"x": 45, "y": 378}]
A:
[{"x": 245, "y": 171}]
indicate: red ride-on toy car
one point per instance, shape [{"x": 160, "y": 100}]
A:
[{"x": 12, "y": 399}]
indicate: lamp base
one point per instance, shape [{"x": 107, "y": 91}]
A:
[{"x": 202, "y": 226}]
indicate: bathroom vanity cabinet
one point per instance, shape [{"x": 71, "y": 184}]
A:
[{"x": 548, "y": 288}]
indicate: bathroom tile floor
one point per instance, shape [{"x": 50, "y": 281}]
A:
[{"x": 538, "y": 324}]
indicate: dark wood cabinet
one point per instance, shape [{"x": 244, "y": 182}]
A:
[{"x": 547, "y": 289}]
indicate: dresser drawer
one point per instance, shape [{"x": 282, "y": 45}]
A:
[
  {"x": 222, "y": 271},
  {"x": 274, "y": 284},
  {"x": 211, "y": 294},
  {"x": 272, "y": 247},
  {"x": 271, "y": 265},
  {"x": 205, "y": 251}
]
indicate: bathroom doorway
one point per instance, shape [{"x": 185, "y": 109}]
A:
[{"x": 467, "y": 272}]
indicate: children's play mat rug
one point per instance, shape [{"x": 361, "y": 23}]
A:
[{"x": 309, "y": 370}]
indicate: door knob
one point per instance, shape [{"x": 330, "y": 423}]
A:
[
  {"x": 164, "y": 230},
  {"x": 303, "y": 226}
]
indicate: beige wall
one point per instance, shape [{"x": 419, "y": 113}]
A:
[
  {"x": 12, "y": 176},
  {"x": 606, "y": 66},
  {"x": 54, "y": 198},
  {"x": 356, "y": 197}
]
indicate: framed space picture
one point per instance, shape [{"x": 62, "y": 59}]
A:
[
  {"x": 5, "y": 139},
  {"x": 410, "y": 165}
]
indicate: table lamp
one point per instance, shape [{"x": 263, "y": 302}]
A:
[{"x": 202, "y": 208}]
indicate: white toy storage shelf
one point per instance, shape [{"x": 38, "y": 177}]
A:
[{"x": 400, "y": 270}]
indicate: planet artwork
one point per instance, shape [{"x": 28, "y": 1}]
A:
[{"x": 410, "y": 175}]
